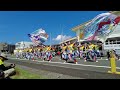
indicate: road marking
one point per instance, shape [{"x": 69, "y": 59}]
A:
[
  {"x": 70, "y": 64},
  {"x": 97, "y": 59}
]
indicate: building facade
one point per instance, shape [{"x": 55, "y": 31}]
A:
[
  {"x": 23, "y": 44},
  {"x": 71, "y": 40},
  {"x": 80, "y": 31},
  {"x": 9, "y": 48}
]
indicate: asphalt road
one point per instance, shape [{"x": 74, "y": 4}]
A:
[{"x": 88, "y": 70}]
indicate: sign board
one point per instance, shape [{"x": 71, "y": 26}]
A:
[
  {"x": 117, "y": 51},
  {"x": 112, "y": 46},
  {"x": 115, "y": 47}
]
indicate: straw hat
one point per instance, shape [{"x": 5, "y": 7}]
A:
[{"x": 4, "y": 56}]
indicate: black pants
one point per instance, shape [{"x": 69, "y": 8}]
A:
[{"x": 108, "y": 57}]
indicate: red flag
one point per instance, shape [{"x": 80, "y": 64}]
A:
[
  {"x": 117, "y": 20},
  {"x": 103, "y": 23}
]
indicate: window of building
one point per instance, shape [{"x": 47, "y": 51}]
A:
[
  {"x": 118, "y": 42},
  {"x": 106, "y": 43}
]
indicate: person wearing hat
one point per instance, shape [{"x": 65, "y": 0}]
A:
[{"x": 5, "y": 71}]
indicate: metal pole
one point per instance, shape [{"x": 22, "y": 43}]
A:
[
  {"x": 23, "y": 44},
  {"x": 62, "y": 35},
  {"x": 50, "y": 39},
  {"x": 79, "y": 37}
]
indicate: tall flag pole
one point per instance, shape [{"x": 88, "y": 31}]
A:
[
  {"x": 61, "y": 32},
  {"x": 50, "y": 40},
  {"x": 62, "y": 35}
]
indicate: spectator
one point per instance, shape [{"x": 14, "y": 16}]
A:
[
  {"x": 108, "y": 55},
  {"x": 6, "y": 70},
  {"x": 116, "y": 55}
]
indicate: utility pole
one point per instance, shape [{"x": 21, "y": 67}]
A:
[
  {"x": 61, "y": 33},
  {"x": 50, "y": 39},
  {"x": 23, "y": 44}
]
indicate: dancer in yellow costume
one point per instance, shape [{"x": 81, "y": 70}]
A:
[
  {"x": 80, "y": 51},
  {"x": 81, "y": 47},
  {"x": 64, "y": 52},
  {"x": 30, "y": 50},
  {"x": 91, "y": 46},
  {"x": 63, "y": 48},
  {"x": 48, "y": 53},
  {"x": 71, "y": 52},
  {"x": 70, "y": 48}
]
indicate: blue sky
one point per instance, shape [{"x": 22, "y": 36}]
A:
[{"x": 15, "y": 25}]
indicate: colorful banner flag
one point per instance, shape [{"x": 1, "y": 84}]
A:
[
  {"x": 100, "y": 26},
  {"x": 39, "y": 36}
]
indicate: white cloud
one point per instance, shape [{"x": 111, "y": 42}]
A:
[{"x": 62, "y": 37}]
